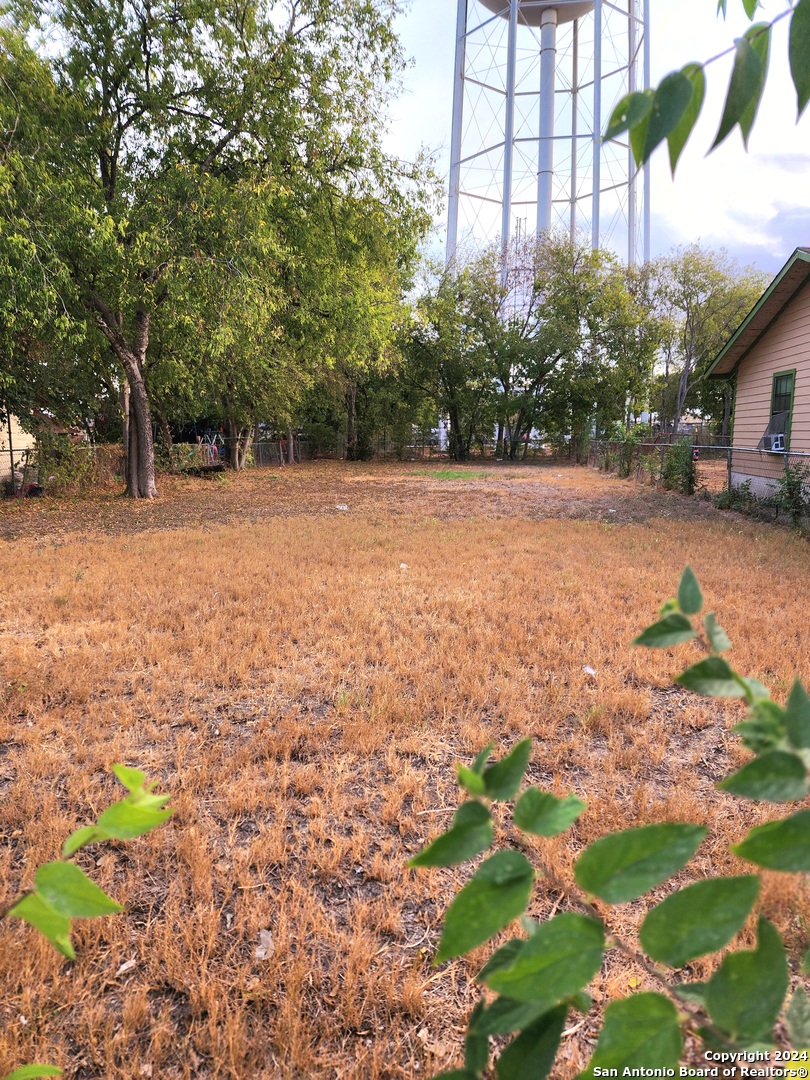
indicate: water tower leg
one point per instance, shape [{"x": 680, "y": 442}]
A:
[
  {"x": 548, "y": 72},
  {"x": 509, "y": 130},
  {"x": 596, "y": 234},
  {"x": 455, "y": 136}
]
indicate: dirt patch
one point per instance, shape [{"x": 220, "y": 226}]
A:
[{"x": 336, "y": 488}]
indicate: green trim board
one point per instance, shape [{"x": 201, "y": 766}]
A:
[{"x": 790, "y": 280}]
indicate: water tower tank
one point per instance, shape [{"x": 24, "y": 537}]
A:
[{"x": 530, "y": 12}]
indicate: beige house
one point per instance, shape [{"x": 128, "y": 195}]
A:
[
  {"x": 768, "y": 357},
  {"x": 14, "y": 446}
]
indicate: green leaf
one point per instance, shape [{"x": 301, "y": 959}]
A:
[
  {"x": 779, "y": 845},
  {"x": 757, "y": 691},
  {"x": 750, "y": 7},
  {"x": 502, "y": 958},
  {"x": 471, "y": 833},
  {"x": 124, "y": 820},
  {"x": 532, "y": 1053},
  {"x": 543, "y": 814},
  {"x": 81, "y": 838},
  {"x": 496, "y": 894},
  {"x": 472, "y": 782},
  {"x": 671, "y": 630},
  {"x": 70, "y": 892},
  {"x": 561, "y": 958},
  {"x": 638, "y": 133},
  {"x": 747, "y": 82},
  {"x": 679, "y": 136},
  {"x": 639, "y": 1032},
  {"x": 624, "y": 865},
  {"x": 718, "y": 638},
  {"x": 476, "y": 1046},
  {"x": 55, "y": 927},
  {"x": 504, "y": 1016},
  {"x": 456, "y": 1074},
  {"x": 690, "y": 598},
  {"x": 631, "y": 110},
  {"x": 503, "y": 779},
  {"x": 775, "y": 776},
  {"x": 481, "y": 760},
  {"x": 713, "y": 677},
  {"x": 695, "y": 991},
  {"x": 805, "y": 964},
  {"x": 698, "y": 919},
  {"x": 797, "y": 717},
  {"x": 744, "y": 996},
  {"x": 799, "y": 49},
  {"x": 765, "y": 730},
  {"x": 132, "y": 779},
  {"x": 797, "y": 1019},
  {"x": 670, "y": 103},
  {"x": 32, "y": 1072},
  {"x": 581, "y": 1001}
]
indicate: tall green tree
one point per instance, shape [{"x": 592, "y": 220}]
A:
[
  {"x": 448, "y": 358},
  {"x": 701, "y": 296},
  {"x": 165, "y": 124}
]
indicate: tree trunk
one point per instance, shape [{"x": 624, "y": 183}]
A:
[
  {"x": 290, "y": 447},
  {"x": 231, "y": 443},
  {"x": 456, "y": 447},
  {"x": 351, "y": 428},
  {"x": 125, "y": 426},
  {"x": 141, "y": 471},
  {"x": 141, "y": 447}
]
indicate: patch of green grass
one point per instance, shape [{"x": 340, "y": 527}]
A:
[{"x": 451, "y": 474}]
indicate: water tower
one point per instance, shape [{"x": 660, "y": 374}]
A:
[{"x": 535, "y": 83}]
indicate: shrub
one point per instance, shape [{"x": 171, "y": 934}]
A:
[
  {"x": 63, "y": 465},
  {"x": 791, "y": 493},
  {"x": 539, "y": 977},
  {"x": 678, "y": 471}
]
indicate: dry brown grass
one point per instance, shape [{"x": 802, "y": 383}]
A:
[{"x": 267, "y": 659}]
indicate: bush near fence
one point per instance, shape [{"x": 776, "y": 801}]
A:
[{"x": 757, "y": 482}]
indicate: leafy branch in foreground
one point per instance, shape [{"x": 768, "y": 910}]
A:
[
  {"x": 62, "y": 891},
  {"x": 671, "y": 110},
  {"x": 537, "y": 978}
]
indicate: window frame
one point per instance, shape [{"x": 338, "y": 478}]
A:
[{"x": 789, "y": 426}]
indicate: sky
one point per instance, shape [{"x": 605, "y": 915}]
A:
[{"x": 755, "y": 204}]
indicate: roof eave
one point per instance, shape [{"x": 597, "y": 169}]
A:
[{"x": 769, "y": 306}]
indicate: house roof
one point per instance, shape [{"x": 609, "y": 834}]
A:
[{"x": 790, "y": 279}]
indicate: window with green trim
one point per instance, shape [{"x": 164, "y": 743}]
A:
[
  {"x": 777, "y": 433},
  {"x": 782, "y": 396}
]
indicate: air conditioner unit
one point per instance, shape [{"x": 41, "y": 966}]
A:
[{"x": 773, "y": 443}]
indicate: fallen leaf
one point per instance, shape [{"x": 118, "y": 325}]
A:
[{"x": 266, "y": 947}]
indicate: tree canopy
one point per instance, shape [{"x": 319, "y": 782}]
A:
[{"x": 189, "y": 183}]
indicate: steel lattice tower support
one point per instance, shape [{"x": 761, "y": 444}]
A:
[{"x": 535, "y": 83}]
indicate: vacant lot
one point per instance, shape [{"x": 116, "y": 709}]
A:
[{"x": 301, "y": 659}]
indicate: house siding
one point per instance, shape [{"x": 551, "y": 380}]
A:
[
  {"x": 21, "y": 441},
  {"x": 785, "y": 346}
]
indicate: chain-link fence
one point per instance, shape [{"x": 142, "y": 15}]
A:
[{"x": 761, "y": 476}]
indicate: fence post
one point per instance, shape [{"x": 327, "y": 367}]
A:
[{"x": 728, "y": 469}]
